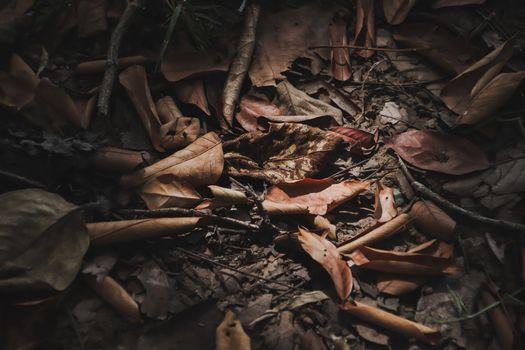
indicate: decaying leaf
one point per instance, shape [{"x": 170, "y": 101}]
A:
[
  {"x": 340, "y": 57},
  {"x": 292, "y": 101},
  {"x": 241, "y": 62},
  {"x": 230, "y": 335},
  {"x": 365, "y": 30},
  {"x": 376, "y": 233},
  {"x": 119, "y": 161},
  {"x": 167, "y": 191},
  {"x": 280, "y": 40},
  {"x": 192, "y": 91},
  {"x": 384, "y": 204},
  {"x": 500, "y": 321},
  {"x": 439, "y": 152},
  {"x": 156, "y": 301},
  {"x": 446, "y": 50},
  {"x": 167, "y": 129},
  {"x": 362, "y": 142},
  {"x": 479, "y": 91},
  {"x": 117, "y": 297},
  {"x": 253, "y": 107},
  {"x": 322, "y": 223},
  {"x": 413, "y": 264},
  {"x": 326, "y": 254},
  {"x": 200, "y": 163},
  {"x": 109, "y": 232},
  {"x": 311, "y": 196},
  {"x": 378, "y": 317},
  {"x": 43, "y": 240},
  {"x": 396, "y": 11},
  {"x": 286, "y": 152},
  {"x": 223, "y": 198},
  {"x": 433, "y": 221}
]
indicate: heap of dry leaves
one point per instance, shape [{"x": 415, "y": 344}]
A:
[{"x": 262, "y": 175}]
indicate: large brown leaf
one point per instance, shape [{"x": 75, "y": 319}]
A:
[
  {"x": 176, "y": 131},
  {"x": 292, "y": 101},
  {"x": 286, "y": 152},
  {"x": 253, "y": 107},
  {"x": 192, "y": 91},
  {"x": 43, "y": 239},
  {"x": 230, "y": 335},
  {"x": 166, "y": 191},
  {"x": 340, "y": 57},
  {"x": 326, "y": 254},
  {"x": 311, "y": 196},
  {"x": 201, "y": 163},
  {"x": 441, "y": 47},
  {"x": 365, "y": 30},
  {"x": 282, "y": 40},
  {"x": 433, "y": 221},
  {"x": 396, "y": 11},
  {"x": 443, "y": 153},
  {"x": 362, "y": 142}
]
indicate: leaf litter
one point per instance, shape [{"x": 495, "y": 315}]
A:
[{"x": 384, "y": 140}]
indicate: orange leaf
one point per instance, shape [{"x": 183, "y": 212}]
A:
[{"x": 326, "y": 254}]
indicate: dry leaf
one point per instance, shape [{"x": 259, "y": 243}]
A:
[
  {"x": 326, "y": 254},
  {"x": 375, "y": 316},
  {"x": 91, "y": 17},
  {"x": 200, "y": 163},
  {"x": 311, "y": 196},
  {"x": 253, "y": 107},
  {"x": 502, "y": 325},
  {"x": 318, "y": 121},
  {"x": 439, "y": 152},
  {"x": 384, "y": 204},
  {"x": 117, "y": 297},
  {"x": 340, "y": 57},
  {"x": 322, "y": 223},
  {"x": 98, "y": 66},
  {"x": 414, "y": 264},
  {"x": 128, "y": 230},
  {"x": 362, "y": 142},
  {"x": 176, "y": 131},
  {"x": 86, "y": 108},
  {"x": 119, "y": 161},
  {"x": 292, "y": 101},
  {"x": 286, "y": 152},
  {"x": 191, "y": 91},
  {"x": 241, "y": 63},
  {"x": 18, "y": 86},
  {"x": 441, "y": 47},
  {"x": 156, "y": 302},
  {"x": 396, "y": 11},
  {"x": 281, "y": 40},
  {"x": 376, "y": 233},
  {"x": 457, "y": 94},
  {"x": 433, "y": 221},
  {"x": 223, "y": 198},
  {"x": 446, "y": 3},
  {"x": 230, "y": 335},
  {"x": 166, "y": 191},
  {"x": 365, "y": 31}
]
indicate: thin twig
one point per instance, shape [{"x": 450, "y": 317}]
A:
[
  {"x": 429, "y": 194},
  {"x": 384, "y": 49},
  {"x": 177, "y": 212},
  {"x": 21, "y": 179},
  {"x": 112, "y": 59}
]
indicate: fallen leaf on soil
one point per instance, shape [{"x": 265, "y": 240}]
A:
[
  {"x": 109, "y": 232},
  {"x": 502, "y": 325},
  {"x": 57, "y": 104},
  {"x": 91, "y": 17},
  {"x": 117, "y": 297},
  {"x": 384, "y": 204},
  {"x": 281, "y": 40},
  {"x": 440, "y": 46},
  {"x": 326, "y": 254},
  {"x": 166, "y": 191},
  {"x": 362, "y": 142},
  {"x": 322, "y": 223},
  {"x": 241, "y": 63},
  {"x": 375, "y": 233},
  {"x": 311, "y": 196},
  {"x": 397, "y": 324},
  {"x": 230, "y": 335},
  {"x": 292, "y": 101},
  {"x": 286, "y": 152},
  {"x": 340, "y": 57},
  {"x": 43, "y": 239},
  {"x": 17, "y": 87},
  {"x": 365, "y": 31},
  {"x": 156, "y": 301},
  {"x": 200, "y": 163},
  {"x": 253, "y": 107},
  {"x": 480, "y": 81},
  {"x": 446, "y": 3},
  {"x": 191, "y": 91},
  {"x": 176, "y": 130},
  {"x": 396, "y": 11},
  {"x": 223, "y": 198},
  {"x": 414, "y": 264},
  {"x": 433, "y": 221},
  {"x": 119, "y": 161},
  {"x": 439, "y": 152}
]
